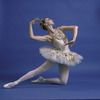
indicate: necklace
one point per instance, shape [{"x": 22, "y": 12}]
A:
[{"x": 53, "y": 31}]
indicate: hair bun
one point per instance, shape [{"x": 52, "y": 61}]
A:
[{"x": 42, "y": 24}]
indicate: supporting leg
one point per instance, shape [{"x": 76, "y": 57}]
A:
[
  {"x": 64, "y": 73},
  {"x": 48, "y": 64}
]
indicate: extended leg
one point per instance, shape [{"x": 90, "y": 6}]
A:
[
  {"x": 48, "y": 64},
  {"x": 64, "y": 73}
]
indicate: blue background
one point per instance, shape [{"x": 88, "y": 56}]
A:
[{"x": 19, "y": 54}]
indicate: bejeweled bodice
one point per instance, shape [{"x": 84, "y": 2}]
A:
[{"x": 59, "y": 40}]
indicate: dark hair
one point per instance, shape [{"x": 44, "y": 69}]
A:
[{"x": 42, "y": 24}]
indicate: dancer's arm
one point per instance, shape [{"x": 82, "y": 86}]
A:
[
  {"x": 75, "y": 31},
  {"x": 38, "y": 38}
]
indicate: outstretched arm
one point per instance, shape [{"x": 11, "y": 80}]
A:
[
  {"x": 75, "y": 31},
  {"x": 38, "y": 38}
]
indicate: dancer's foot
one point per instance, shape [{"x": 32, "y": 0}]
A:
[
  {"x": 39, "y": 80},
  {"x": 10, "y": 85}
]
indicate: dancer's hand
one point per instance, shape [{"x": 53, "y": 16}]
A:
[
  {"x": 70, "y": 42},
  {"x": 34, "y": 21}
]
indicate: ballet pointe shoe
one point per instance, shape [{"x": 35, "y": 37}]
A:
[
  {"x": 39, "y": 80},
  {"x": 10, "y": 85}
]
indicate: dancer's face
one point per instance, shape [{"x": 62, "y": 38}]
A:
[{"x": 48, "y": 21}]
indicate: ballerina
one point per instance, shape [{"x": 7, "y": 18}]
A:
[{"x": 60, "y": 55}]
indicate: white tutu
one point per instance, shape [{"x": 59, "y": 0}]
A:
[{"x": 54, "y": 55}]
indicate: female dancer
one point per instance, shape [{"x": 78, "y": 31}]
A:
[{"x": 60, "y": 55}]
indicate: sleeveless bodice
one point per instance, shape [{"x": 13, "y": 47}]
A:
[{"x": 59, "y": 40}]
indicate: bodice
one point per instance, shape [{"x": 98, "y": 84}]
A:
[{"x": 59, "y": 40}]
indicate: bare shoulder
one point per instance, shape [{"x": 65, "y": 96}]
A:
[
  {"x": 64, "y": 28},
  {"x": 60, "y": 28}
]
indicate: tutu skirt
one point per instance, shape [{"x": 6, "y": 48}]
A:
[{"x": 58, "y": 56}]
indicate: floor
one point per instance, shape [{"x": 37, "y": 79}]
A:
[{"x": 81, "y": 85}]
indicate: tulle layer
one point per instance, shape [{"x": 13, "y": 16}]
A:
[{"x": 58, "y": 56}]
